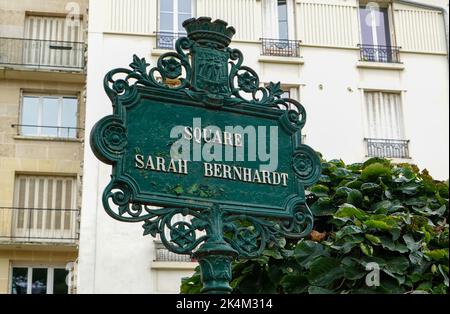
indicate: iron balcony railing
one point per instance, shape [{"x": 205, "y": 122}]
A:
[
  {"x": 63, "y": 132},
  {"x": 385, "y": 54},
  {"x": 47, "y": 54},
  {"x": 387, "y": 148},
  {"x": 166, "y": 40},
  {"x": 162, "y": 254},
  {"x": 39, "y": 225},
  {"x": 280, "y": 47}
]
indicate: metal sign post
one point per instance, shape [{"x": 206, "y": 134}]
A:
[{"x": 188, "y": 142}]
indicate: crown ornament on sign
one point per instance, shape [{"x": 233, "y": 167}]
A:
[{"x": 205, "y": 32}]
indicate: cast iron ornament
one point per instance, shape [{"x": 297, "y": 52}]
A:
[{"x": 205, "y": 74}]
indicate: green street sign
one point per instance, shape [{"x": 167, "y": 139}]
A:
[{"x": 198, "y": 137}]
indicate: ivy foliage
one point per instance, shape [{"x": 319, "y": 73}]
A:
[{"x": 379, "y": 228}]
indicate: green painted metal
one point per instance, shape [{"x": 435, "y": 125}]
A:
[{"x": 204, "y": 79}]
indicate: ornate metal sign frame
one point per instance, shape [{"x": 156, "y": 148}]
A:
[{"x": 203, "y": 74}]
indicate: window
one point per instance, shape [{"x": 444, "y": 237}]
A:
[
  {"x": 44, "y": 209},
  {"x": 53, "y": 42},
  {"x": 385, "y": 129},
  {"x": 172, "y": 14},
  {"x": 49, "y": 116},
  {"x": 39, "y": 280},
  {"x": 282, "y": 20},
  {"x": 278, "y": 40},
  {"x": 374, "y": 26},
  {"x": 376, "y": 44},
  {"x": 384, "y": 115}
]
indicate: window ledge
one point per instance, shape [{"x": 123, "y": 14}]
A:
[
  {"x": 159, "y": 52},
  {"x": 380, "y": 65},
  {"x": 280, "y": 59},
  {"x": 174, "y": 265},
  {"x": 43, "y": 138}
]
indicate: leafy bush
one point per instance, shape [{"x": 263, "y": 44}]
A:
[{"x": 367, "y": 216}]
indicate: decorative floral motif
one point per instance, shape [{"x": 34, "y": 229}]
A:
[
  {"x": 115, "y": 137},
  {"x": 171, "y": 68},
  {"x": 248, "y": 82},
  {"x": 303, "y": 165},
  {"x": 247, "y": 240},
  {"x": 182, "y": 234}
]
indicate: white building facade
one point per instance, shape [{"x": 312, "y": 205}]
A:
[{"x": 373, "y": 78}]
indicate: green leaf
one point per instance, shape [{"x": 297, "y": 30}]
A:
[
  {"x": 355, "y": 197},
  {"x": 400, "y": 278},
  {"x": 443, "y": 273},
  {"x": 377, "y": 224},
  {"x": 382, "y": 205},
  {"x": 307, "y": 251},
  {"x": 410, "y": 243},
  {"x": 429, "y": 212},
  {"x": 323, "y": 207},
  {"x": 347, "y": 230},
  {"x": 416, "y": 258},
  {"x": 366, "y": 249},
  {"x": 319, "y": 290},
  {"x": 438, "y": 255},
  {"x": 375, "y": 171},
  {"x": 346, "y": 245},
  {"x": 324, "y": 271},
  {"x": 352, "y": 268},
  {"x": 397, "y": 265},
  {"x": 319, "y": 190},
  {"x": 376, "y": 160},
  {"x": 411, "y": 188},
  {"x": 370, "y": 188},
  {"x": 294, "y": 283},
  {"x": 374, "y": 239},
  {"x": 424, "y": 286},
  {"x": 348, "y": 210},
  {"x": 273, "y": 253},
  {"x": 394, "y": 246}
]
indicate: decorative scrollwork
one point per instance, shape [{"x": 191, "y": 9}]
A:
[
  {"x": 169, "y": 67},
  {"x": 203, "y": 76},
  {"x": 248, "y": 235},
  {"x": 302, "y": 223}
]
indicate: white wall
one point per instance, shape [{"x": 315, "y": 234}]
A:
[{"x": 114, "y": 257}]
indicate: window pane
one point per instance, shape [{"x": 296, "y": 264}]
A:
[
  {"x": 185, "y": 6},
  {"x": 59, "y": 281},
  {"x": 166, "y": 5},
  {"x": 30, "y": 115},
  {"x": 181, "y": 19},
  {"x": 69, "y": 117},
  {"x": 166, "y": 22},
  {"x": 39, "y": 281},
  {"x": 282, "y": 10},
  {"x": 366, "y": 26},
  {"x": 19, "y": 280},
  {"x": 50, "y": 111},
  {"x": 282, "y": 20},
  {"x": 283, "y": 30},
  {"x": 382, "y": 24}
]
